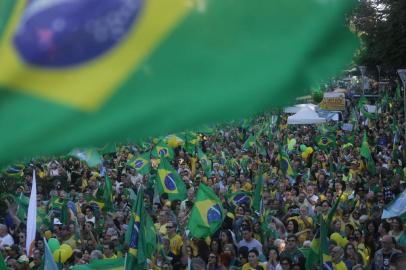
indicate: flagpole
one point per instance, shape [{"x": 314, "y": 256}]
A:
[
  {"x": 31, "y": 218},
  {"x": 125, "y": 260}
]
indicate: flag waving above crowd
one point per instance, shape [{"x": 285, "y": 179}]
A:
[{"x": 126, "y": 78}]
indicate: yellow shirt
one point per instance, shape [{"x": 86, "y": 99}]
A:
[
  {"x": 247, "y": 187},
  {"x": 340, "y": 266},
  {"x": 175, "y": 244},
  {"x": 248, "y": 267},
  {"x": 114, "y": 256},
  {"x": 161, "y": 228}
]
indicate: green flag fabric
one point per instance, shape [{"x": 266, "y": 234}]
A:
[
  {"x": 325, "y": 141},
  {"x": 207, "y": 213},
  {"x": 90, "y": 156},
  {"x": 205, "y": 162},
  {"x": 104, "y": 264},
  {"x": 240, "y": 198},
  {"x": 170, "y": 182},
  {"x": 365, "y": 152},
  {"x": 249, "y": 143},
  {"x": 2, "y": 264},
  {"x": 137, "y": 83},
  {"x": 256, "y": 204},
  {"x": 134, "y": 236},
  {"x": 323, "y": 251},
  {"x": 191, "y": 142},
  {"x": 141, "y": 164},
  {"x": 284, "y": 162},
  {"x": 162, "y": 150},
  {"x": 108, "y": 194},
  {"x": 22, "y": 206}
]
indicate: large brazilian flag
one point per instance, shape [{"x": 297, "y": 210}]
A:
[{"x": 83, "y": 73}]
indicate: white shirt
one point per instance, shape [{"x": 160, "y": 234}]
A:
[
  {"x": 254, "y": 243},
  {"x": 6, "y": 240}
]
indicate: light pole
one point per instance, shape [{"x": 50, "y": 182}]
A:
[
  {"x": 402, "y": 75},
  {"x": 363, "y": 69}
]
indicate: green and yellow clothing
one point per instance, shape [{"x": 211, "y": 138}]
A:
[{"x": 175, "y": 244}]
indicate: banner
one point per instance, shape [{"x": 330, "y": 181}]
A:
[{"x": 333, "y": 102}]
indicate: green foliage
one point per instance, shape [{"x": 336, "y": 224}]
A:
[
  {"x": 381, "y": 25},
  {"x": 317, "y": 96}
]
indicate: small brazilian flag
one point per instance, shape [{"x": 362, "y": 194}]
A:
[
  {"x": 284, "y": 162},
  {"x": 90, "y": 156},
  {"x": 85, "y": 73},
  {"x": 16, "y": 170},
  {"x": 191, "y": 142},
  {"x": 205, "y": 162},
  {"x": 207, "y": 213},
  {"x": 326, "y": 141},
  {"x": 250, "y": 142},
  {"x": 141, "y": 164},
  {"x": 170, "y": 182},
  {"x": 240, "y": 198},
  {"x": 162, "y": 150}
]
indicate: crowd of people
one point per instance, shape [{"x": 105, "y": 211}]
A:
[{"x": 278, "y": 236}]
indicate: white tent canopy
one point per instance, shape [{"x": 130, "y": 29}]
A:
[
  {"x": 304, "y": 117},
  {"x": 298, "y": 107}
]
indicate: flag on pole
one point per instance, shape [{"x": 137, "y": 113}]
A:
[
  {"x": 72, "y": 96},
  {"x": 207, "y": 213},
  {"x": 32, "y": 218},
  {"x": 162, "y": 150},
  {"x": 170, "y": 182},
  {"x": 365, "y": 152},
  {"x": 256, "y": 204},
  {"x": 90, "y": 156},
  {"x": 141, "y": 164},
  {"x": 284, "y": 162},
  {"x": 397, "y": 208},
  {"x": 249, "y": 143},
  {"x": 140, "y": 236},
  {"x": 49, "y": 262},
  {"x": 205, "y": 162},
  {"x": 108, "y": 194}
]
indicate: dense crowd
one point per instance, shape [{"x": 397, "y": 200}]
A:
[{"x": 279, "y": 235}]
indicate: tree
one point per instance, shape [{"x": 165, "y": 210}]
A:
[{"x": 381, "y": 26}]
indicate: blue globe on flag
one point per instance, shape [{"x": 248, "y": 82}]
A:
[
  {"x": 138, "y": 164},
  {"x": 214, "y": 214},
  {"x": 169, "y": 182},
  {"x": 66, "y": 33},
  {"x": 163, "y": 152}
]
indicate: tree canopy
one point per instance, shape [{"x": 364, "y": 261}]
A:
[{"x": 381, "y": 26}]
